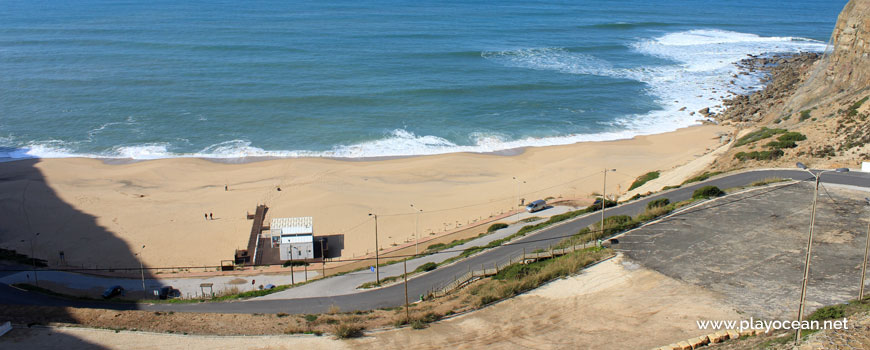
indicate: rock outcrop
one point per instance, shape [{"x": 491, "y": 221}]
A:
[{"x": 845, "y": 69}]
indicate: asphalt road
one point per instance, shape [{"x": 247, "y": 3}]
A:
[{"x": 394, "y": 295}]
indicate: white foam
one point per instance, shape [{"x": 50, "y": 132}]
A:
[{"x": 700, "y": 76}]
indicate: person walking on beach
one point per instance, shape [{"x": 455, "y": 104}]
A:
[
  {"x": 206, "y": 216},
  {"x": 210, "y": 216},
  {"x": 226, "y": 188}
]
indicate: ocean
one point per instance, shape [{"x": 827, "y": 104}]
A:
[{"x": 233, "y": 79}]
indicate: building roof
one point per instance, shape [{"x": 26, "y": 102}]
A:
[
  {"x": 292, "y": 226},
  {"x": 297, "y": 239}
]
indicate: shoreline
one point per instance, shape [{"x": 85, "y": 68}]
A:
[
  {"x": 514, "y": 151},
  {"x": 114, "y": 208}
]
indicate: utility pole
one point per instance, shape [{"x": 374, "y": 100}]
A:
[
  {"x": 33, "y": 258},
  {"x": 407, "y": 309},
  {"x": 417, "y": 229},
  {"x": 517, "y": 218},
  {"x": 864, "y": 266},
  {"x": 604, "y": 198},
  {"x": 142, "y": 270},
  {"x": 377, "y": 254},
  {"x": 797, "y": 335}
]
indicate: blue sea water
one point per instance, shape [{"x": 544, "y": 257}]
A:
[{"x": 227, "y": 79}]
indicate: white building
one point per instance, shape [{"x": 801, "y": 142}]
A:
[{"x": 294, "y": 237}]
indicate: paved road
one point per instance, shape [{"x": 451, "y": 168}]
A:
[{"x": 394, "y": 295}]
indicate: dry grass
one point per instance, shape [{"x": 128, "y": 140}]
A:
[{"x": 519, "y": 278}]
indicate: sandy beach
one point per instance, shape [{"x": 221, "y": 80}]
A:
[{"x": 101, "y": 213}]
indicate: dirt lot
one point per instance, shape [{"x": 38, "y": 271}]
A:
[{"x": 615, "y": 304}]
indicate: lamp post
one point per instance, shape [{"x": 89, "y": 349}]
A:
[
  {"x": 604, "y": 198},
  {"x": 866, "y": 251},
  {"x": 33, "y": 258},
  {"x": 517, "y": 218},
  {"x": 377, "y": 254},
  {"x": 818, "y": 177},
  {"x": 142, "y": 270},
  {"x": 417, "y": 229}
]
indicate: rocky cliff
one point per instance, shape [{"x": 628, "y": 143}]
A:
[
  {"x": 845, "y": 69},
  {"x": 813, "y": 108}
]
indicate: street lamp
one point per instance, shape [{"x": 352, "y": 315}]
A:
[
  {"x": 142, "y": 269},
  {"x": 377, "y": 258},
  {"x": 517, "y": 218},
  {"x": 33, "y": 258},
  {"x": 818, "y": 177},
  {"x": 604, "y": 198},
  {"x": 417, "y": 229},
  {"x": 864, "y": 266}
]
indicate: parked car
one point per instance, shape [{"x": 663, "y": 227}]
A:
[
  {"x": 113, "y": 291},
  {"x": 167, "y": 292},
  {"x": 537, "y": 205},
  {"x": 269, "y": 286}
]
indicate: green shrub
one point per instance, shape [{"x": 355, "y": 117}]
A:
[
  {"x": 828, "y": 313},
  {"x": 781, "y": 144},
  {"x": 496, "y": 226},
  {"x": 429, "y": 266},
  {"x": 436, "y": 246},
  {"x": 792, "y": 136},
  {"x": 853, "y": 109},
  {"x": 707, "y": 192},
  {"x": 760, "y": 134},
  {"x": 805, "y": 114},
  {"x": 643, "y": 179},
  {"x": 289, "y": 263},
  {"x": 702, "y": 177},
  {"x": 661, "y": 202},
  {"x": 310, "y": 318},
  {"x": 762, "y": 155}
]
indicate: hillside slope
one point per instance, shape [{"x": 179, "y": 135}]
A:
[{"x": 813, "y": 109}]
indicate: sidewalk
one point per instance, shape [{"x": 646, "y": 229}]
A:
[{"x": 93, "y": 286}]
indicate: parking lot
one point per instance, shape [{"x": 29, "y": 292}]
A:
[{"x": 751, "y": 247}]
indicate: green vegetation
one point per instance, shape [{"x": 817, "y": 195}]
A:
[
  {"x": 442, "y": 246},
  {"x": 707, "y": 192},
  {"x": 652, "y": 175},
  {"x": 289, "y": 263},
  {"x": 702, "y": 177},
  {"x": 839, "y": 311},
  {"x": 531, "y": 218},
  {"x": 518, "y": 278},
  {"x": 787, "y": 140},
  {"x": 805, "y": 114},
  {"x": 429, "y": 266},
  {"x": 828, "y": 313},
  {"x": 759, "y": 155},
  {"x": 853, "y": 109},
  {"x": 757, "y": 135},
  {"x": 13, "y": 256},
  {"x": 661, "y": 202},
  {"x": 492, "y": 228}
]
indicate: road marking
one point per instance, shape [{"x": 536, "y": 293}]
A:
[{"x": 23, "y": 290}]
